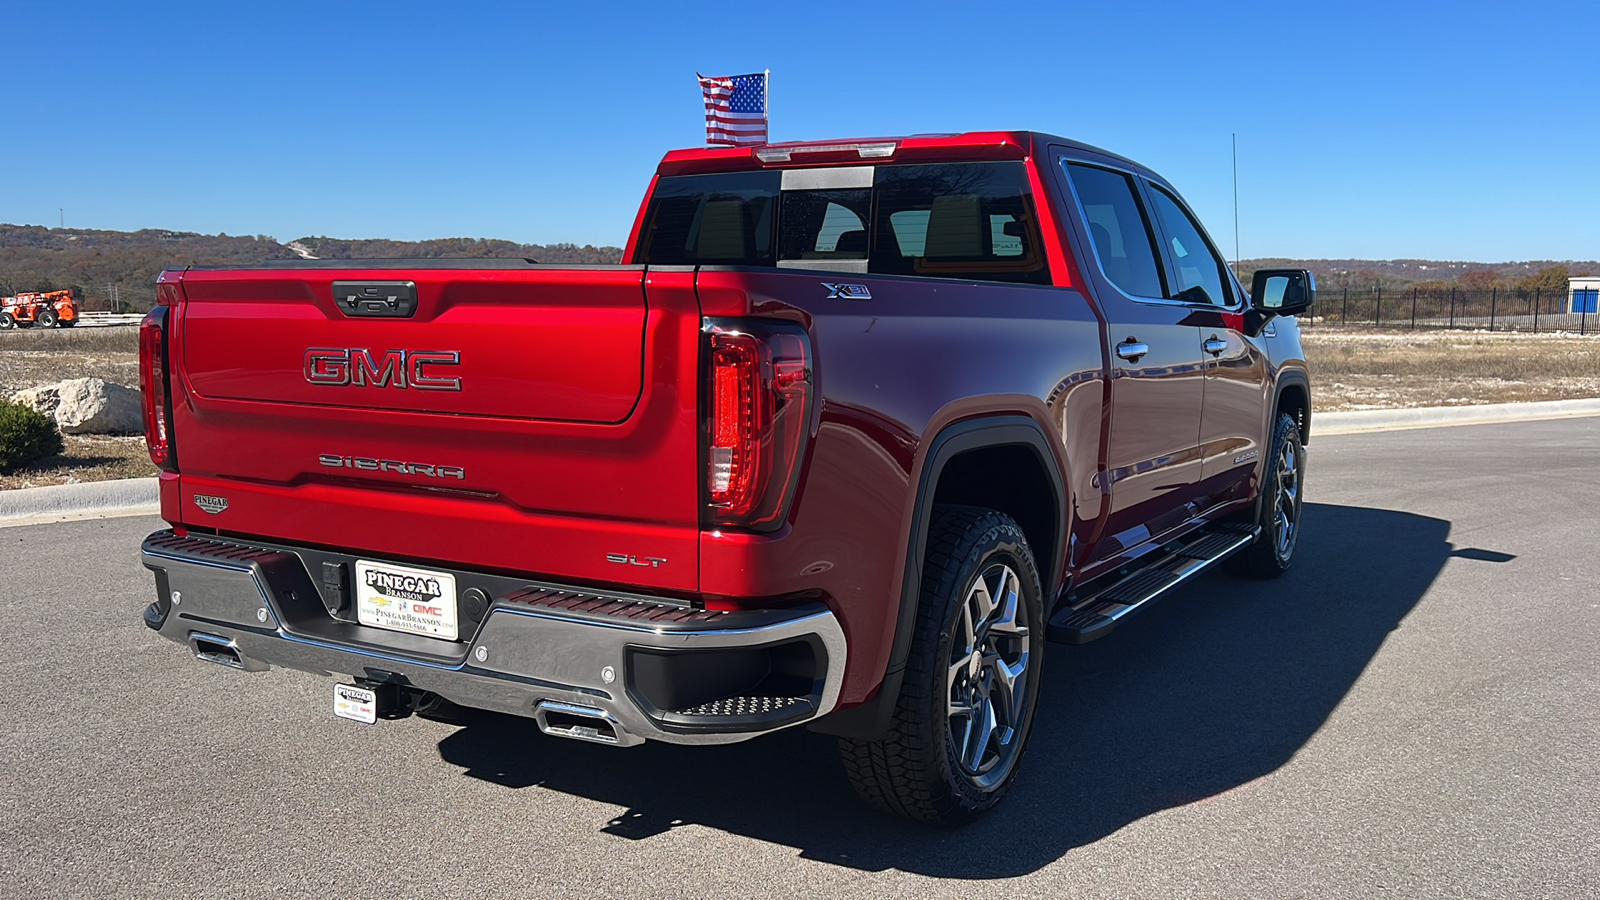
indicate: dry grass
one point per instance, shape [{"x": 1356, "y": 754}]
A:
[
  {"x": 35, "y": 356},
  {"x": 87, "y": 457},
  {"x": 1365, "y": 369},
  {"x": 30, "y": 357}
]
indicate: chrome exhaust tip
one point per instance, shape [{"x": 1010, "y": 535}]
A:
[
  {"x": 582, "y": 723},
  {"x": 223, "y": 651}
]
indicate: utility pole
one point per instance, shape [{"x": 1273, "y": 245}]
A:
[
  {"x": 1236, "y": 203},
  {"x": 63, "y": 212}
]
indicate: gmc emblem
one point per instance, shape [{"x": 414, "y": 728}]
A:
[{"x": 403, "y": 369}]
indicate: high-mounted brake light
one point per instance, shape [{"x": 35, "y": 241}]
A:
[
  {"x": 873, "y": 150},
  {"x": 758, "y": 417},
  {"x": 153, "y": 384}
]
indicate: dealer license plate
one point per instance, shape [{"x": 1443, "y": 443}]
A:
[{"x": 401, "y": 598}]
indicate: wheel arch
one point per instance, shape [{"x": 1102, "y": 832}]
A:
[
  {"x": 1294, "y": 397},
  {"x": 958, "y": 467}
]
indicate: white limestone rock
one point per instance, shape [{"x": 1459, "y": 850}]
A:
[{"x": 87, "y": 406}]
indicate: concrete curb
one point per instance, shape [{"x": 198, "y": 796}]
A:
[
  {"x": 65, "y": 502},
  {"x": 1367, "y": 420}
]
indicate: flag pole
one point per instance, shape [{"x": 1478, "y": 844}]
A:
[{"x": 766, "y": 102}]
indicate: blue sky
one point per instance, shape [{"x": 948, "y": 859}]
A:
[{"x": 1459, "y": 130}]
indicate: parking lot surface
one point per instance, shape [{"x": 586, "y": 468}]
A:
[{"x": 1414, "y": 710}]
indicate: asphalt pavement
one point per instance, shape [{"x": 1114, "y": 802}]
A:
[{"x": 1413, "y": 711}]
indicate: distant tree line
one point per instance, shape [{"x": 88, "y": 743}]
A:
[
  {"x": 117, "y": 269},
  {"x": 1544, "y": 277}
]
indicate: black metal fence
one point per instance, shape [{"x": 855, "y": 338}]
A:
[{"x": 1486, "y": 310}]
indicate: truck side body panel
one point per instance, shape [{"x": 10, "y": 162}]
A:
[{"x": 893, "y": 370}]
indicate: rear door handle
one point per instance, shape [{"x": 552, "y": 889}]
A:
[
  {"x": 1131, "y": 350},
  {"x": 1215, "y": 345}
]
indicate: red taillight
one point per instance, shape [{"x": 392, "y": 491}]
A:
[
  {"x": 759, "y": 401},
  {"x": 153, "y": 384}
]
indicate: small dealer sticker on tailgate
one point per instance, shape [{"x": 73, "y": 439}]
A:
[{"x": 404, "y": 599}]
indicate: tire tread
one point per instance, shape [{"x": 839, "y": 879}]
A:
[{"x": 901, "y": 773}]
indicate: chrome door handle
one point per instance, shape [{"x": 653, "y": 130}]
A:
[
  {"x": 1131, "y": 350},
  {"x": 1215, "y": 345}
]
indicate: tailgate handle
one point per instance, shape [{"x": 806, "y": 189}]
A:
[{"x": 376, "y": 299}]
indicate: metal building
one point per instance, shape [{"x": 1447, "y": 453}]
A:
[{"x": 1583, "y": 295}]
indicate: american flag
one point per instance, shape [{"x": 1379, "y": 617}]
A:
[{"x": 736, "y": 109}]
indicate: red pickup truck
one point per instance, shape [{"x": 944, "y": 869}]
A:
[{"x": 854, "y": 429}]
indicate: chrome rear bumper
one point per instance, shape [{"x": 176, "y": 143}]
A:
[{"x": 611, "y": 668}]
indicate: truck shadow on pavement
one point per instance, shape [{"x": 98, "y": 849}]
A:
[{"x": 1218, "y": 686}]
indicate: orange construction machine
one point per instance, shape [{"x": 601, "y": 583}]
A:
[{"x": 50, "y": 309}]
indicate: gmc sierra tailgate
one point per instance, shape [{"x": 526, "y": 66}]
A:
[{"x": 499, "y": 414}]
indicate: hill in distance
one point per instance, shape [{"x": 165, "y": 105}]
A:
[{"x": 118, "y": 269}]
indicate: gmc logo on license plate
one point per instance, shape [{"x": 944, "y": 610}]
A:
[{"x": 358, "y": 367}]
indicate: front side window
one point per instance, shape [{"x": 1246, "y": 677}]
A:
[
  {"x": 1198, "y": 266},
  {"x": 1117, "y": 229}
]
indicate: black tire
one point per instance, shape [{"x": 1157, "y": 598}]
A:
[
  {"x": 1282, "y": 498},
  {"x": 68, "y": 323},
  {"x": 47, "y": 318},
  {"x": 920, "y": 769},
  {"x": 7, "y": 322}
]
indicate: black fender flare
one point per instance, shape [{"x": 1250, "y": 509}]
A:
[
  {"x": 870, "y": 720},
  {"x": 1297, "y": 378},
  {"x": 1286, "y": 378}
]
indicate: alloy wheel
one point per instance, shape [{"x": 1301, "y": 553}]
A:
[
  {"x": 1286, "y": 522},
  {"x": 988, "y": 684}
]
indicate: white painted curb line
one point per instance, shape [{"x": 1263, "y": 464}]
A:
[
  {"x": 65, "y": 502},
  {"x": 1367, "y": 420}
]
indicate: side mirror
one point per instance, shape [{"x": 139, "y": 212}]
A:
[{"x": 1283, "y": 292}]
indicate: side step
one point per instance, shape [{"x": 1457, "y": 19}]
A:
[{"x": 1094, "y": 616}]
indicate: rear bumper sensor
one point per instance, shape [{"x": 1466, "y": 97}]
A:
[{"x": 607, "y": 668}]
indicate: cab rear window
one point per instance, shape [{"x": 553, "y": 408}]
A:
[
  {"x": 971, "y": 221},
  {"x": 724, "y": 219}
]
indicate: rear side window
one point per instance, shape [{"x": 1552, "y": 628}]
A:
[
  {"x": 710, "y": 219},
  {"x": 972, "y": 221},
  {"x": 957, "y": 220},
  {"x": 1118, "y": 229}
]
